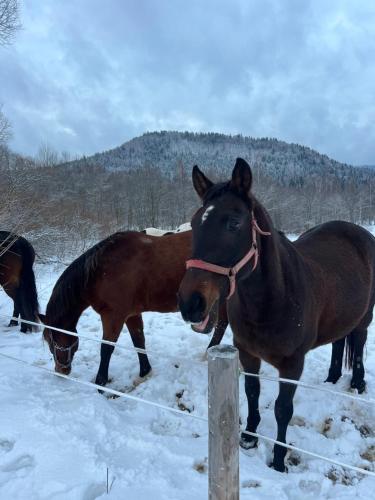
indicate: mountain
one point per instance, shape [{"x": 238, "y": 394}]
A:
[{"x": 287, "y": 164}]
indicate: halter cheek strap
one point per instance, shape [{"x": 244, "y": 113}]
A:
[
  {"x": 56, "y": 348},
  {"x": 232, "y": 271}
]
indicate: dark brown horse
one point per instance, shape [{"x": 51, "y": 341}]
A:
[
  {"x": 120, "y": 278},
  {"x": 285, "y": 298},
  {"x": 17, "y": 277}
]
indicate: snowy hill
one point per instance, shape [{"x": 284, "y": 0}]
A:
[{"x": 286, "y": 163}]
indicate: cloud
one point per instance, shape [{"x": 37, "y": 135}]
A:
[{"x": 86, "y": 76}]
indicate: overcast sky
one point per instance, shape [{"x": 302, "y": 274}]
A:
[{"x": 88, "y": 75}]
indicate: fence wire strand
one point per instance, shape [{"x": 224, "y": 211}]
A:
[
  {"x": 311, "y": 454},
  {"x": 99, "y": 341},
  {"x": 113, "y": 392},
  {"x": 369, "y": 401}
]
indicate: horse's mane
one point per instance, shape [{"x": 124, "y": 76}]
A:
[{"x": 68, "y": 292}]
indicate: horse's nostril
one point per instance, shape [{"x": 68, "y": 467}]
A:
[{"x": 197, "y": 302}]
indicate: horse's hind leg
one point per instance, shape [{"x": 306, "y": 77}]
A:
[
  {"x": 359, "y": 338},
  {"x": 112, "y": 326},
  {"x": 135, "y": 326},
  {"x": 11, "y": 291},
  {"x": 16, "y": 313},
  {"x": 356, "y": 343},
  {"x": 335, "y": 370}
]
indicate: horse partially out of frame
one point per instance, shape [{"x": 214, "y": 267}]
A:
[
  {"x": 120, "y": 278},
  {"x": 17, "y": 277},
  {"x": 284, "y": 298}
]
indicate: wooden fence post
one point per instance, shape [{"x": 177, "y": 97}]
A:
[{"x": 223, "y": 423}]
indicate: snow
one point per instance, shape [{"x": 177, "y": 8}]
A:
[
  {"x": 58, "y": 438},
  {"x": 153, "y": 231}
]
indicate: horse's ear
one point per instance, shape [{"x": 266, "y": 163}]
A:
[
  {"x": 200, "y": 182},
  {"x": 242, "y": 177}
]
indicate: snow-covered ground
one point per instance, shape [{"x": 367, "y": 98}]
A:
[{"x": 57, "y": 438}]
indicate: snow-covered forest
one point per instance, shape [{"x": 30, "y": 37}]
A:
[{"x": 135, "y": 185}]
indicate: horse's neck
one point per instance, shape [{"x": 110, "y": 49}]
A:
[
  {"x": 65, "y": 322},
  {"x": 265, "y": 291}
]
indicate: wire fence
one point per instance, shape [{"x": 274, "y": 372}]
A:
[
  {"x": 299, "y": 383},
  {"x": 120, "y": 394},
  {"x": 160, "y": 406}
]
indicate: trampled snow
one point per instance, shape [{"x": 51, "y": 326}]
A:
[{"x": 58, "y": 438}]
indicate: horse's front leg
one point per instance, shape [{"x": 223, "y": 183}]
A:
[
  {"x": 251, "y": 364},
  {"x": 291, "y": 368},
  {"x": 112, "y": 325}
]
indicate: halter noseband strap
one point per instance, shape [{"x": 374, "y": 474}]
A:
[
  {"x": 232, "y": 271},
  {"x": 56, "y": 348}
]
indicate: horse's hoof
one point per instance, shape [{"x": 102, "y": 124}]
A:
[
  {"x": 101, "y": 381},
  {"x": 12, "y": 322},
  {"x": 140, "y": 380},
  {"x": 332, "y": 378},
  {"x": 248, "y": 442},
  {"x": 360, "y": 385},
  {"x": 279, "y": 467},
  {"x": 145, "y": 371}
]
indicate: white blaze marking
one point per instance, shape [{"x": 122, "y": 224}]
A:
[{"x": 206, "y": 213}]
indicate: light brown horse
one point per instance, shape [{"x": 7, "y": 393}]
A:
[
  {"x": 17, "y": 277},
  {"x": 120, "y": 278}
]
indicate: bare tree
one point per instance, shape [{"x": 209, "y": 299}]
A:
[
  {"x": 9, "y": 20},
  {"x": 5, "y": 128},
  {"x": 47, "y": 156}
]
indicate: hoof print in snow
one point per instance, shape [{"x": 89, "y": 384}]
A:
[
  {"x": 251, "y": 483},
  {"x": 201, "y": 466},
  {"x": 6, "y": 446},
  {"x": 298, "y": 421},
  {"x": 326, "y": 427},
  {"x": 181, "y": 405},
  {"x": 294, "y": 459},
  {"x": 311, "y": 487},
  {"x": 365, "y": 431},
  {"x": 21, "y": 464},
  {"x": 369, "y": 454},
  {"x": 342, "y": 477}
]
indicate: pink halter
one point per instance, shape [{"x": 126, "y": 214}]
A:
[{"x": 232, "y": 271}]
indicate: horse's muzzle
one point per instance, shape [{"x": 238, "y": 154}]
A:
[
  {"x": 193, "y": 307},
  {"x": 64, "y": 370}
]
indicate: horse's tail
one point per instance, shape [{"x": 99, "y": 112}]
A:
[
  {"x": 27, "y": 296},
  {"x": 349, "y": 350}
]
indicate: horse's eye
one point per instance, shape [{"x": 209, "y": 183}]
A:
[{"x": 233, "y": 224}]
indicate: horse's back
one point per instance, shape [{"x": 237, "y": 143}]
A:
[
  {"x": 141, "y": 269},
  {"x": 336, "y": 237},
  {"x": 17, "y": 244}
]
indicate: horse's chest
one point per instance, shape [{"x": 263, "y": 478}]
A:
[{"x": 270, "y": 344}]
